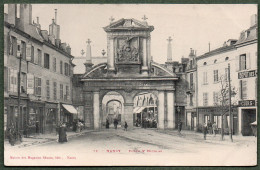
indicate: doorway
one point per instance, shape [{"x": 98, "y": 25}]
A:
[{"x": 248, "y": 117}]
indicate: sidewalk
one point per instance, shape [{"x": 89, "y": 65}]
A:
[
  {"x": 210, "y": 138},
  {"x": 42, "y": 139}
]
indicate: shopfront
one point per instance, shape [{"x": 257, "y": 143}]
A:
[
  {"x": 51, "y": 117},
  {"x": 213, "y": 114},
  {"x": 247, "y": 115},
  {"x": 35, "y": 118},
  {"x": 191, "y": 119},
  {"x": 68, "y": 114}
]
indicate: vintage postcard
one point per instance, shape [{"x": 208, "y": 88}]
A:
[{"x": 130, "y": 84}]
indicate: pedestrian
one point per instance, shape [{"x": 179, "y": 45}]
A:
[
  {"x": 107, "y": 123},
  {"x": 115, "y": 123},
  {"x": 214, "y": 128},
  {"x": 11, "y": 134},
  {"x": 125, "y": 126},
  {"x": 204, "y": 130},
  {"x": 179, "y": 126},
  {"x": 209, "y": 127},
  {"x": 62, "y": 133}
]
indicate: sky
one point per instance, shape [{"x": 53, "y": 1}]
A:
[{"x": 190, "y": 26}]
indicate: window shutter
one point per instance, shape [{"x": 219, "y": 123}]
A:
[
  {"x": 248, "y": 61},
  {"x": 35, "y": 85},
  {"x": 237, "y": 63},
  {"x": 28, "y": 52},
  {"x": 19, "y": 48},
  {"x": 240, "y": 89},
  {"x": 11, "y": 77},
  {"x": 15, "y": 80}
]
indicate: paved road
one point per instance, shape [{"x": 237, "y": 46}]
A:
[{"x": 136, "y": 147}]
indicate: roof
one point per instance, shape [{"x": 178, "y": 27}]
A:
[
  {"x": 128, "y": 24},
  {"x": 79, "y": 63},
  {"x": 252, "y": 35},
  {"x": 217, "y": 51}
]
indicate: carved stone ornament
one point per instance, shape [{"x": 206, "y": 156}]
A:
[
  {"x": 128, "y": 89},
  {"x": 127, "y": 52}
]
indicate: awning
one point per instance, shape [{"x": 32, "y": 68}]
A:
[
  {"x": 254, "y": 123},
  {"x": 135, "y": 109},
  {"x": 140, "y": 109},
  {"x": 70, "y": 108}
]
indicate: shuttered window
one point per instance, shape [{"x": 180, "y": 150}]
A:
[
  {"x": 215, "y": 72},
  {"x": 23, "y": 50},
  {"x": 242, "y": 62},
  {"x": 61, "y": 91},
  {"x": 48, "y": 89},
  {"x": 61, "y": 69},
  {"x": 205, "y": 78},
  {"x": 38, "y": 86},
  {"x": 205, "y": 99},
  {"x": 54, "y": 64},
  {"x": 39, "y": 52},
  {"x": 32, "y": 54},
  {"x": 46, "y": 61},
  {"x": 243, "y": 89},
  {"x": 54, "y": 90}
]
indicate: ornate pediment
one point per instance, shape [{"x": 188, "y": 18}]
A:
[{"x": 126, "y": 24}]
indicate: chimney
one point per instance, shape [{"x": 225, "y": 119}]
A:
[
  {"x": 54, "y": 29},
  {"x": 63, "y": 46},
  {"x": 169, "y": 50},
  {"x": 253, "y": 20},
  {"x": 55, "y": 16},
  {"x": 68, "y": 49},
  {"x": 57, "y": 43},
  {"x": 38, "y": 23},
  {"x": 88, "y": 64},
  {"x": 45, "y": 35},
  {"x": 12, "y": 12},
  {"x": 25, "y": 15}
]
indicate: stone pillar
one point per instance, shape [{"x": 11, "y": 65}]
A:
[
  {"x": 149, "y": 51},
  {"x": 161, "y": 110},
  {"x": 145, "y": 65},
  {"x": 128, "y": 115},
  {"x": 170, "y": 110},
  {"x": 96, "y": 110},
  {"x": 111, "y": 57}
]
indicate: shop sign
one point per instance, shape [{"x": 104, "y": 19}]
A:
[
  {"x": 247, "y": 74},
  {"x": 245, "y": 103},
  {"x": 30, "y": 83}
]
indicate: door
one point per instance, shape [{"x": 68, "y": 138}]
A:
[{"x": 249, "y": 116}]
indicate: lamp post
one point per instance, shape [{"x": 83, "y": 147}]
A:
[{"x": 19, "y": 55}]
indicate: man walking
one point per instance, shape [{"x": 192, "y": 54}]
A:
[
  {"x": 205, "y": 130},
  {"x": 214, "y": 128}
]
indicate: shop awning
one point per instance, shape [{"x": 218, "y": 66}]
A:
[
  {"x": 254, "y": 123},
  {"x": 70, "y": 108},
  {"x": 135, "y": 109},
  {"x": 140, "y": 109}
]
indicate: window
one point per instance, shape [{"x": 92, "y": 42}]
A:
[
  {"x": 227, "y": 58},
  {"x": 54, "y": 64},
  {"x": 217, "y": 120},
  {"x": 206, "y": 119},
  {"x": 48, "y": 89},
  {"x": 54, "y": 90},
  {"x": 6, "y": 81},
  {"x": 38, "y": 86},
  {"x": 61, "y": 70},
  {"x": 243, "y": 89},
  {"x": 226, "y": 74},
  {"x": 205, "y": 99},
  {"x": 23, "y": 50},
  {"x": 61, "y": 91},
  {"x": 23, "y": 82},
  {"x": 13, "y": 46},
  {"x": 69, "y": 70},
  {"x": 205, "y": 78},
  {"x": 215, "y": 98},
  {"x": 66, "y": 69},
  {"x": 215, "y": 76},
  {"x": 205, "y": 63},
  {"x": 39, "y": 57},
  {"x": 191, "y": 99},
  {"x": 242, "y": 62},
  {"x": 46, "y": 61},
  {"x": 215, "y": 61},
  {"x": 191, "y": 80},
  {"x": 66, "y": 98},
  {"x": 32, "y": 54},
  {"x": 13, "y": 80}
]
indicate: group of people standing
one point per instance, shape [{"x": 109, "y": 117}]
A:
[
  {"x": 115, "y": 124},
  {"x": 209, "y": 128}
]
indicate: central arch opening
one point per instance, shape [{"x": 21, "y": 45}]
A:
[
  {"x": 145, "y": 113},
  {"x": 112, "y": 109}
]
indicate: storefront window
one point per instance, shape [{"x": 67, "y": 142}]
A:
[{"x": 32, "y": 117}]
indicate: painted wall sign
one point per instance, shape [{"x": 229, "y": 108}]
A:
[
  {"x": 245, "y": 103},
  {"x": 247, "y": 74}
]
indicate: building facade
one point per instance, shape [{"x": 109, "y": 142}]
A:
[
  {"x": 45, "y": 76},
  {"x": 212, "y": 74}
]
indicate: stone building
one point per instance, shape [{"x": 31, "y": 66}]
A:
[
  {"x": 46, "y": 72},
  {"x": 212, "y": 74},
  {"x": 129, "y": 82}
]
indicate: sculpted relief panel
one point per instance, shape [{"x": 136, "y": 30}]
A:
[{"x": 127, "y": 50}]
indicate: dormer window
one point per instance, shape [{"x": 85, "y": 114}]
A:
[
  {"x": 247, "y": 33},
  {"x": 215, "y": 61},
  {"x": 205, "y": 63}
]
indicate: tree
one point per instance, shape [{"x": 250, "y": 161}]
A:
[{"x": 221, "y": 99}]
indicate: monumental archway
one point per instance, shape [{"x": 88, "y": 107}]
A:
[{"x": 129, "y": 71}]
